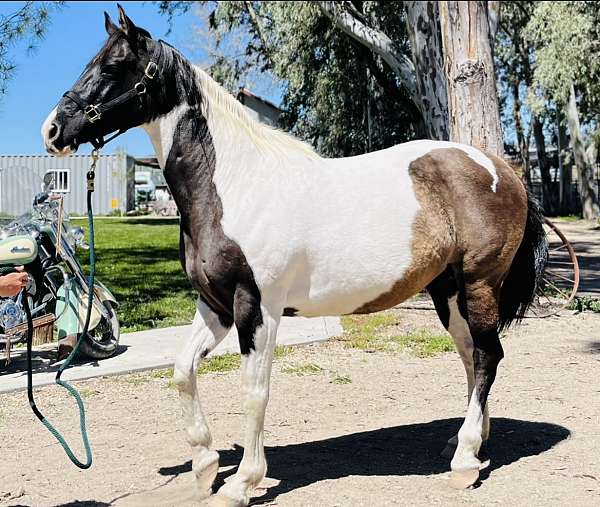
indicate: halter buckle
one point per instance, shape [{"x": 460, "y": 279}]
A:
[
  {"x": 151, "y": 70},
  {"x": 92, "y": 113},
  {"x": 140, "y": 88}
]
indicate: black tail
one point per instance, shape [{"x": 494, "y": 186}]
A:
[{"x": 525, "y": 274}]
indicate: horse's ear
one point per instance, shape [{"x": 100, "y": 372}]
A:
[
  {"x": 127, "y": 25},
  {"x": 109, "y": 25}
]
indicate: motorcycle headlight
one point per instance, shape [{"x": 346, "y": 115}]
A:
[{"x": 77, "y": 237}]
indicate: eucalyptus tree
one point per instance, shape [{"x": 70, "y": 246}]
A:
[
  {"x": 567, "y": 69},
  {"x": 515, "y": 58},
  {"x": 336, "y": 93},
  {"x": 451, "y": 79},
  {"x": 395, "y": 57}
]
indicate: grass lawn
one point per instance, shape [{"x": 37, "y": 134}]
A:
[{"x": 138, "y": 260}]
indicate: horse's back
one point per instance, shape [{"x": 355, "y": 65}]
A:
[{"x": 398, "y": 217}]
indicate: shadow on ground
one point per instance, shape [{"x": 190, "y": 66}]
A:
[
  {"x": 44, "y": 360},
  {"x": 412, "y": 449},
  {"x": 594, "y": 347}
]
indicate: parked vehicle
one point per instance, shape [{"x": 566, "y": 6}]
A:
[
  {"x": 44, "y": 241},
  {"x": 145, "y": 189}
]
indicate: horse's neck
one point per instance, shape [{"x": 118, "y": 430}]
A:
[{"x": 226, "y": 133}]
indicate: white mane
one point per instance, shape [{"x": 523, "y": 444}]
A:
[{"x": 234, "y": 115}]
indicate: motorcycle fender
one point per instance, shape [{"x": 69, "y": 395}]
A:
[
  {"x": 71, "y": 308},
  {"x": 104, "y": 294}
]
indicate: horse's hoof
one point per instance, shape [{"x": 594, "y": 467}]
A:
[
  {"x": 223, "y": 501},
  {"x": 462, "y": 479},
  {"x": 448, "y": 451},
  {"x": 201, "y": 495}
]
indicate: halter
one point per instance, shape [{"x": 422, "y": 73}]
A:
[{"x": 94, "y": 112}]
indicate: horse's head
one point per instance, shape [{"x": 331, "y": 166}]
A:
[{"x": 115, "y": 91}]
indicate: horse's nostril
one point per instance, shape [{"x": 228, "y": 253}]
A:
[{"x": 53, "y": 131}]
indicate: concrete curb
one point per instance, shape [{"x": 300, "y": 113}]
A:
[{"x": 153, "y": 349}]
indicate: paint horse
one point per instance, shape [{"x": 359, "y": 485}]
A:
[{"x": 270, "y": 228}]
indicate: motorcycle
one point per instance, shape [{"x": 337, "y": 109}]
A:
[{"x": 44, "y": 242}]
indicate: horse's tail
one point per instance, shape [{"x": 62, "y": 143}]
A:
[{"x": 525, "y": 274}]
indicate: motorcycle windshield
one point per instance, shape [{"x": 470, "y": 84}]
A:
[{"x": 45, "y": 211}]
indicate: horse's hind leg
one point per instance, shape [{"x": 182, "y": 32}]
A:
[
  {"x": 482, "y": 311},
  {"x": 448, "y": 294},
  {"x": 207, "y": 332}
]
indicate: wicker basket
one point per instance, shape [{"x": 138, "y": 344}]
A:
[{"x": 43, "y": 329}]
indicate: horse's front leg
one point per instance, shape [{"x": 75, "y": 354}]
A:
[
  {"x": 257, "y": 326},
  {"x": 207, "y": 332}
]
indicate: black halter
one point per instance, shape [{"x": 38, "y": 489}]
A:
[{"x": 93, "y": 112}]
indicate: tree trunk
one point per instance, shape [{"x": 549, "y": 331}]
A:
[
  {"x": 423, "y": 28},
  {"x": 544, "y": 167},
  {"x": 585, "y": 173},
  {"x": 517, "y": 120},
  {"x": 527, "y": 161},
  {"x": 472, "y": 99},
  {"x": 564, "y": 168}
]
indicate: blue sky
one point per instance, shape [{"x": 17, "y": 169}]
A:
[{"x": 75, "y": 34}]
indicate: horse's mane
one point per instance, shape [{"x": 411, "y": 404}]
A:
[
  {"x": 199, "y": 88},
  {"x": 235, "y": 114}
]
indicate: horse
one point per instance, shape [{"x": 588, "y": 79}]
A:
[{"x": 270, "y": 228}]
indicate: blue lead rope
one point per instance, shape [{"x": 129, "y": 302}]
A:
[{"x": 72, "y": 391}]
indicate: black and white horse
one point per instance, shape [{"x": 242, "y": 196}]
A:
[{"x": 270, "y": 228}]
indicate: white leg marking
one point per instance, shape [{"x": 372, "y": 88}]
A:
[
  {"x": 469, "y": 439},
  {"x": 256, "y": 373},
  {"x": 459, "y": 330},
  {"x": 207, "y": 332}
]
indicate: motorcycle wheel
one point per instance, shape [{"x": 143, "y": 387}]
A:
[{"x": 103, "y": 340}]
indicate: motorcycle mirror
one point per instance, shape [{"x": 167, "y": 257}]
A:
[{"x": 48, "y": 181}]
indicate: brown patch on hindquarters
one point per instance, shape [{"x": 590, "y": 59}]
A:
[{"x": 461, "y": 219}]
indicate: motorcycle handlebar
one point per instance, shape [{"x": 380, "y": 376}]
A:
[{"x": 40, "y": 198}]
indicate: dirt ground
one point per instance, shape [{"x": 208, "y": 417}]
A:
[{"x": 372, "y": 441}]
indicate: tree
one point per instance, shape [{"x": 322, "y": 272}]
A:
[
  {"x": 29, "y": 22},
  {"x": 467, "y": 32},
  {"x": 337, "y": 94},
  {"x": 565, "y": 36},
  {"x": 321, "y": 54},
  {"x": 422, "y": 76},
  {"x": 513, "y": 54},
  {"x": 431, "y": 84}
]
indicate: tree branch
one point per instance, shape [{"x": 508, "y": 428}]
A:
[
  {"x": 259, "y": 29},
  {"x": 375, "y": 40}
]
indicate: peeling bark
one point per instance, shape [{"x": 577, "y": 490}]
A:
[
  {"x": 431, "y": 84},
  {"x": 472, "y": 100},
  {"x": 585, "y": 173}
]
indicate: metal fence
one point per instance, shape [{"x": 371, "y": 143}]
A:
[
  {"x": 574, "y": 200},
  {"x": 21, "y": 178}
]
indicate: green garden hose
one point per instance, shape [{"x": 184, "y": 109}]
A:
[{"x": 72, "y": 391}]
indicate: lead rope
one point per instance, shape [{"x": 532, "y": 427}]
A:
[{"x": 72, "y": 391}]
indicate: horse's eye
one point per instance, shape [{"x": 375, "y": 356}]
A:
[{"x": 110, "y": 71}]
